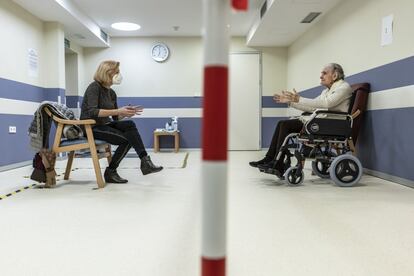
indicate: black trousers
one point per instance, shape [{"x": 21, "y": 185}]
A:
[
  {"x": 283, "y": 129},
  {"x": 122, "y": 133}
]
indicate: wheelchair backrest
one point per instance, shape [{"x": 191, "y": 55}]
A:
[{"x": 359, "y": 102}]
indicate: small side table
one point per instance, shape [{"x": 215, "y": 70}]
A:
[{"x": 158, "y": 133}]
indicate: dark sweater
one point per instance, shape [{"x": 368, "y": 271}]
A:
[{"x": 98, "y": 97}]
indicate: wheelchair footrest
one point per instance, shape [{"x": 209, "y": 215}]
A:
[{"x": 274, "y": 172}]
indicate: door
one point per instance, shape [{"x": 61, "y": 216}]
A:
[{"x": 244, "y": 101}]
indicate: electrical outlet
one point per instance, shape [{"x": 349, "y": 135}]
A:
[{"x": 12, "y": 129}]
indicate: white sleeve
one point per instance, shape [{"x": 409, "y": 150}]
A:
[
  {"x": 302, "y": 107},
  {"x": 333, "y": 99}
]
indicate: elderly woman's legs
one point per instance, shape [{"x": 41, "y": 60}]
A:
[{"x": 283, "y": 129}]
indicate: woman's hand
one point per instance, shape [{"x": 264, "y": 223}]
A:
[
  {"x": 138, "y": 109},
  {"x": 126, "y": 111}
]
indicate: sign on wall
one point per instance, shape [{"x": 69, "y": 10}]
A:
[{"x": 33, "y": 63}]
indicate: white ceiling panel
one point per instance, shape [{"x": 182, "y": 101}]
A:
[{"x": 83, "y": 19}]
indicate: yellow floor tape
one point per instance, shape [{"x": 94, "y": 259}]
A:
[{"x": 18, "y": 191}]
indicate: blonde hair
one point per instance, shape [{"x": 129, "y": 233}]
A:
[{"x": 106, "y": 70}]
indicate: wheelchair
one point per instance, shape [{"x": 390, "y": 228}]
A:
[{"x": 327, "y": 138}]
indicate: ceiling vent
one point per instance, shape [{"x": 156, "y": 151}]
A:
[
  {"x": 67, "y": 43},
  {"x": 104, "y": 36},
  {"x": 263, "y": 9},
  {"x": 79, "y": 36},
  {"x": 310, "y": 17}
]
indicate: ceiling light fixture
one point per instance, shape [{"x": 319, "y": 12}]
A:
[{"x": 125, "y": 26}]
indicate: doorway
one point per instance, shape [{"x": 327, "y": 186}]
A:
[{"x": 245, "y": 101}]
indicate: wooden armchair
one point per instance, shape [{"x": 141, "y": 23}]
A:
[{"x": 62, "y": 145}]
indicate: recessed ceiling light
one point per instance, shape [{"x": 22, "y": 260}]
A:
[{"x": 125, "y": 26}]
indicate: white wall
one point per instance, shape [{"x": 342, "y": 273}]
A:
[
  {"x": 54, "y": 69},
  {"x": 274, "y": 65},
  {"x": 82, "y": 81},
  {"x": 20, "y": 31},
  {"x": 181, "y": 74},
  {"x": 350, "y": 35},
  {"x": 71, "y": 74}
]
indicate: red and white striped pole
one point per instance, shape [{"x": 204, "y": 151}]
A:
[{"x": 214, "y": 135}]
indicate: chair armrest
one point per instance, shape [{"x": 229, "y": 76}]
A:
[
  {"x": 356, "y": 114},
  {"x": 69, "y": 122},
  {"x": 74, "y": 122}
]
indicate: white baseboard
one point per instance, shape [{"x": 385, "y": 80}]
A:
[
  {"x": 15, "y": 165},
  {"x": 396, "y": 179}
]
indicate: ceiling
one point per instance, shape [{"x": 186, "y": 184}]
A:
[{"x": 82, "y": 19}]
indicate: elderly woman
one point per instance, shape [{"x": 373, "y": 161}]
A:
[
  {"x": 100, "y": 103},
  {"x": 336, "y": 97}
]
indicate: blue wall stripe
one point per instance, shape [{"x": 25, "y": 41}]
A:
[
  {"x": 388, "y": 76},
  {"x": 190, "y": 132},
  {"x": 162, "y": 102},
  {"x": 15, "y": 148},
  {"x": 385, "y": 141},
  {"x": 148, "y": 102},
  {"x": 268, "y": 127},
  {"x": 25, "y": 92},
  {"x": 267, "y": 101},
  {"x": 72, "y": 101}
]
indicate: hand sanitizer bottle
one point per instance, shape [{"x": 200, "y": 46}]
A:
[{"x": 174, "y": 123}]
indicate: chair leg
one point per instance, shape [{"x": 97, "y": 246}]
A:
[
  {"x": 176, "y": 142},
  {"x": 69, "y": 165},
  {"x": 97, "y": 167}
]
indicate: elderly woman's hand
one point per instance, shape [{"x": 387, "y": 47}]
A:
[
  {"x": 281, "y": 98},
  {"x": 291, "y": 96},
  {"x": 287, "y": 97}
]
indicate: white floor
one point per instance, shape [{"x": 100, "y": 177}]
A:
[{"x": 150, "y": 226}]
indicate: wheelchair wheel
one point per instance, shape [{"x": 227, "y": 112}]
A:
[
  {"x": 345, "y": 170},
  {"x": 291, "y": 178},
  {"x": 321, "y": 168}
]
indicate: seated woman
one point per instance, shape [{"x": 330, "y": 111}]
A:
[
  {"x": 100, "y": 103},
  {"x": 336, "y": 97}
]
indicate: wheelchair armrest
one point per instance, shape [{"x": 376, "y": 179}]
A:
[
  {"x": 356, "y": 114},
  {"x": 329, "y": 123},
  {"x": 319, "y": 111}
]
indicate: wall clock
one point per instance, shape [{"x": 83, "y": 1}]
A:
[{"x": 160, "y": 52}]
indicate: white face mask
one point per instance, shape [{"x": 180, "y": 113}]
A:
[{"x": 117, "y": 79}]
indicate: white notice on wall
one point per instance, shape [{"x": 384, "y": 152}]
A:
[
  {"x": 386, "y": 30},
  {"x": 33, "y": 62}
]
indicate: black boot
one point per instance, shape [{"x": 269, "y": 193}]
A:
[
  {"x": 255, "y": 164},
  {"x": 148, "y": 167},
  {"x": 111, "y": 176}
]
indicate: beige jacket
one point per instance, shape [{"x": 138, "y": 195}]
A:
[{"x": 337, "y": 98}]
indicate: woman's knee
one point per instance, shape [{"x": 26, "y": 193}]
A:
[
  {"x": 126, "y": 125},
  {"x": 129, "y": 123}
]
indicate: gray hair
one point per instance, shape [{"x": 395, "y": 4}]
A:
[{"x": 336, "y": 68}]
